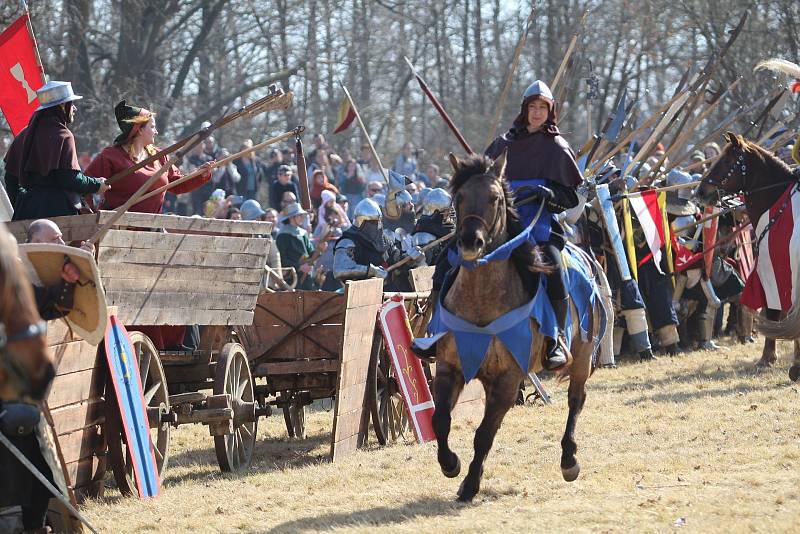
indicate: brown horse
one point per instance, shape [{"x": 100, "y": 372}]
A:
[
  {"x": 26, "y": 365},
  {"x": 761, "y": 178},
  {"x": 486, "y": 219}
]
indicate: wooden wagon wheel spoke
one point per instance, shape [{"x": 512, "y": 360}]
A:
[
  {"x": 232, "y": 377},
  {"x": 144, "y": 357},
  {"x": 151, "y": 392}
]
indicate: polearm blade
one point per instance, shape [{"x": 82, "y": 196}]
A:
[
  {"x": 498, "y": 110},
  {"x": 764, "y": 113},
  {"x": 612, "y": 128},
  {"x": 439, "y": 108},
  {"x": 43, "y": 480}
]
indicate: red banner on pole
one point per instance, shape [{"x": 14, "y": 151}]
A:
[{"x": 20, "y": 74}]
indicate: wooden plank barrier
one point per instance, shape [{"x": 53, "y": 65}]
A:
[{"x": 362, "y": 301}]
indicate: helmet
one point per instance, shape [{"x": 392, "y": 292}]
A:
[
  {"x": 538, "y": 88},
  {"x": 437, "y": 200},
  {"x": 403, "y": 198},
  {"x": 366, "y": 210},
  {"x": 251, "y": 210}
]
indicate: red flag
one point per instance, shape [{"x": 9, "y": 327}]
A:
[
  {"x": 684, "y": 258},
  {"x": 20, "y": 74},
  {"x": 645, "y": 206},
  {"x": 795, "y": 87},
  {"x": 346, "y": 116}
]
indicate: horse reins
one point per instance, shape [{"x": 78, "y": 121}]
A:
[
  {"x": 740, "y": 162},
  {"x": 489, "y": 228}
]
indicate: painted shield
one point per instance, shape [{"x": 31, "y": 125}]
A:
[
  {"x": 407, "y": 367},
  {"x": 44, "y": 262},
  {"x": 124, "y": 370}
]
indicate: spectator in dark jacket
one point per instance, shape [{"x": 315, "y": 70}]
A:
[{"x": 282, "y": 184}]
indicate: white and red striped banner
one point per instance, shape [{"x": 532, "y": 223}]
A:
[
  {"x": 645, "y": 206},
  {"x": 772, "y": 282}
]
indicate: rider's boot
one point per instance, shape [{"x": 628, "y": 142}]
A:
[{"x": 555, "y": 356}]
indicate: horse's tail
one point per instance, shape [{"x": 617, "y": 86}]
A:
[{"x": 789, "y": 326}]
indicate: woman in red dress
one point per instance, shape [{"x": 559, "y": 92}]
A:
[{"x": 134, "y": 144}]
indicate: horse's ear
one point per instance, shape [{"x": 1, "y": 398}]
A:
[
  {"x": 454, "y": 162},
  {"x": 732, "y": 138},
  {"x": 499, "y": 165}
]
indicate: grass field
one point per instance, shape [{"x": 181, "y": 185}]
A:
[{"x": 699, "y": 443}]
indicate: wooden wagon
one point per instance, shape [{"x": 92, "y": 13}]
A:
[{"x": 160, "y": 270}]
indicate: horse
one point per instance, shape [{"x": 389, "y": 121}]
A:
[
  {"x": 486, "y": 219},
  {"x": 26, "y": 364},
  {"x": 746, "y": 169}
]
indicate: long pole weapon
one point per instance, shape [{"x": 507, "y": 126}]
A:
[
  {"x": 365, "y": 132},
  {"x": 498, "y": 110},
  {"x": 439, "y": 108},
  {"x": 284, "y": 136},
  {"x": 276, "y": 99}
]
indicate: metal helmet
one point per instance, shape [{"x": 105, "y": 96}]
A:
[
  {"x": 538, "y": 88},
  {"x": 436, "y": 200},
  {"x": 366, "y": 210},
  {"x": 404, "y": 198}
]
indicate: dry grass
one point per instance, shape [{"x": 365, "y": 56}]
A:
[{"x": 700, "y": 442}]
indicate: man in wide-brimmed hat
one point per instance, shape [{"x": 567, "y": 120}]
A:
[
  {"x": 43, "y": 177},
  {"x": 295, "y": 246}
]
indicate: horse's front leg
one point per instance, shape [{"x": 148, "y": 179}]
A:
[
  {"x": 447, "y": 386},
  {"x": 501, "y": 395},
  {"x": 768, "y": 356}
]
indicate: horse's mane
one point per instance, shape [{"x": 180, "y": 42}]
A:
[
  {"x": 764, "y": 155},
  {"x": 527, "y": 257}
]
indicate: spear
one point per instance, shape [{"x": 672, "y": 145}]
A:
[
  {"x": 498, "y": 110},
  {"x": 439, "y": 108},
  {"x": 276, "y": 99},
  {"x": 765, "y": 111},
  {"x": 233, "y": 157}
]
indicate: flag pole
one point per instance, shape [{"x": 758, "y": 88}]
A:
[
  {"x": 24, "y": 5},
  {"x": 365, "y": 132}
]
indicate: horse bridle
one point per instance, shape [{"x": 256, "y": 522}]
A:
[
  {"x": 15, "y": 370},
  {"x": 489, "y": 228},
  {"x": 739, "y": 162}
]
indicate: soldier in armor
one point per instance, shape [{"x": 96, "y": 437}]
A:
[
  {"x": 436, "y": 222},
  {"x": 363, "y": 251},
  {"x": 541, "y": 167},
  {"x": 398, "y": 208}
]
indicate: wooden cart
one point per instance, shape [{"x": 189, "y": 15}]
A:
[
  {"x": 161, "y": 270},
  {"x": 310, "y": 345}
]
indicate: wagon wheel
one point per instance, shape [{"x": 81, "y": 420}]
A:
[
  {"x": 233, "y": 378},
  {"x": 294, "y": 414},
  {"x": 156, "y": 396},
  {"x": 389, "y": 417}
]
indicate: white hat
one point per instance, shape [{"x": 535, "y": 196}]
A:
[{"x": 54, "y": 93}]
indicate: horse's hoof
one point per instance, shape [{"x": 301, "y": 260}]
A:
[
  {"x": 465, "y": 495},
  {"x": 571, "y": 473},
  {"x": 454, "y": 472},
  {"x": 794, "y": 373}
]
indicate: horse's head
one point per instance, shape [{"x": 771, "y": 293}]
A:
[
  {"x": 482, "y": 201},
  {"x": 26, "y": 365},
  {"x": 729, "y": 174}
]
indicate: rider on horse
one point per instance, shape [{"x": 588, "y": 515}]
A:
[{"x": 541, "y": 166}]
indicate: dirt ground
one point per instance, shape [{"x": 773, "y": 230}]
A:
[{"x": 700, "y": 442}]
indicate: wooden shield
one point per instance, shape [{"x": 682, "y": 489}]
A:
[{"x": 44, "y": 262}]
